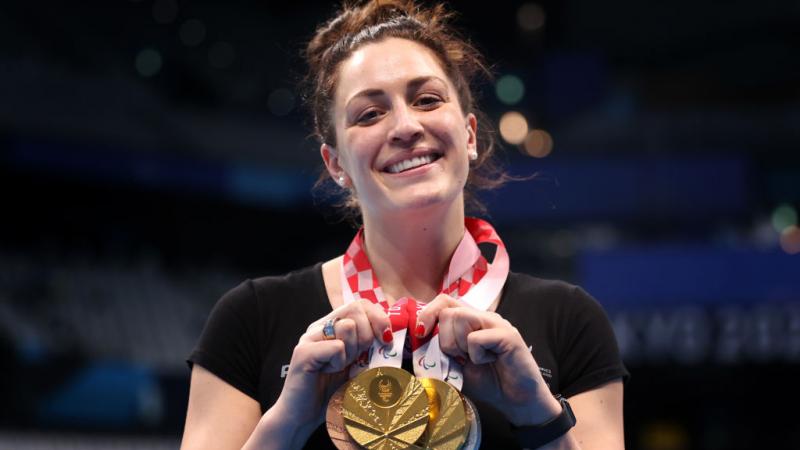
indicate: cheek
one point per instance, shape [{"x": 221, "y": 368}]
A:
[
  {"x": 362, "y": 145},
  {"x": 451, "y": 129}
]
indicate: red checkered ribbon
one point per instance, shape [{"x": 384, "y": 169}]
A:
[{"x": 469, "y": 277}]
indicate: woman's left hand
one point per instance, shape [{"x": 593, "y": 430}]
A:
[{"x": 498, "y": 367}]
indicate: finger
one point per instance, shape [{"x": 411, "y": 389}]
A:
[
  {"x": 371, "y": 321},
  {"x": 357, "y": 312},
  {"x": 429, "y": 315},
  {"x": 313, "y": 334},
  {"x": 315, "y": 331},
  {"x": 352, "y": 310},
  {"x": 381, "y": 326},
  {"x": 465, "y": 321},
  {"x": 317, "y": 323},
  {"x": 347, "y": 333},
  {"x": 484, "y": 346},
  {"x": 447, "y": 335},
  {"x": 313, "y": 357}
]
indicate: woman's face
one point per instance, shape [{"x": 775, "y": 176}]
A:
[{"x": 402, "y": 140}]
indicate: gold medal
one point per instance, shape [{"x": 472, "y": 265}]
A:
[
  {"x": 448, "y": 427},
  {"x": 334, "y": 422},
  {"x": 385, "y": 408},
  {"x": 473, "y": 441}
]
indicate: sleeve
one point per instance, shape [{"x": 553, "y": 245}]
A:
[
  {"x": 228, "y": 345},
  {"x": 589, "y": 354}
]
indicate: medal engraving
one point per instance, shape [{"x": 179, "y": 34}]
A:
[
  {"x": 334, "y": 422},
  {"x": 385, "y": 408},
  {"x": 448, "y": 426},
  {"x": 386, "y": 390}
]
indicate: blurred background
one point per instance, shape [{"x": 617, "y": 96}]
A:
[{"x": 154, "y": 153}]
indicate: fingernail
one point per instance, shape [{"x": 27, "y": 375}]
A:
[
  {"x": 420, "y": 330},
  {"x": 387, "y": 335}
]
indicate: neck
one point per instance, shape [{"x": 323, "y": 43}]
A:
[{"x": 410, "y": 255}]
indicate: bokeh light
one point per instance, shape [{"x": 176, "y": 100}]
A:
[
  {"x": 784, "y": 216},
  {"x": 664, "y": 436},
  {"x": 221, "y": 55},
  {"x": 509, "y": 89},
  {"x": 513, "y": 127},
  {"x": 165, "y": 11},
  {"x": 790, "y": 240},
  {"x": 148, "y": 62},
  {"x": 538, "y": 143},
  {"x": 281, "y": 101},
  {"x": 192, "y": 32},
  {"x": 531, "y": 17},
  {"x": 763, "y": 235}
]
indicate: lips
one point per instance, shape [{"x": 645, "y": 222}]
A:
[{"x": 412, "y": 162}]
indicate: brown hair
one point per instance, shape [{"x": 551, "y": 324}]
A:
[{"x": 361, "y": 22}]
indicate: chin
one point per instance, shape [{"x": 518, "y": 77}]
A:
[{"x": 426, "y": 200}]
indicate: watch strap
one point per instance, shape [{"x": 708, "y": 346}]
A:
[{"x": 535, "y": 436}]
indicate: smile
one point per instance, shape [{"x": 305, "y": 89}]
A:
[{"x": 412, "y": 163}]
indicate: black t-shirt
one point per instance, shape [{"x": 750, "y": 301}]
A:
[{"x": 253, "y": 329}]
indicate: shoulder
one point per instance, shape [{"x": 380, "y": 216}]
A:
[
  {"x": 251, "y": 294},
  {"x": 525, "y": 283},
  {"x": 571, "y": 325},
  {"x": 555, "y": 304},
  {"x": 307, "y": 278},
  {"x": 546, "y": 292}
]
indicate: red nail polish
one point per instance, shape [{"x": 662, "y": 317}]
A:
[
  {"x": 420, "y": 330},
  {"x": 387, "y": 335},
  {"x": 461, "y": 360}
]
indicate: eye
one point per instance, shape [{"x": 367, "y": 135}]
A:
[
  {"x": 368, "y": 116},
  {"x": 428, "y": 101}
]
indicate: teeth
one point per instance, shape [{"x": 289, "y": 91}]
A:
[{"x": 410, "y": 163}]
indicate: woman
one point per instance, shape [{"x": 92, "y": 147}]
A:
[{"x": 394, "y": 112}]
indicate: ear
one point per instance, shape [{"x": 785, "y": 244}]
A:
[
  {"x": 331, "y": 158},
  {"x": 472, "y": 130}
]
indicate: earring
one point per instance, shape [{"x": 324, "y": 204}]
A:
[
  {"x": 473, "y": 155},
  {"x": 340, "y": 180}
]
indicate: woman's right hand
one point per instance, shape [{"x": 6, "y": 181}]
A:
[{"x": 319, "y": 366}]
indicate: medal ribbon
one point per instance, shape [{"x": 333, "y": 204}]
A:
[{"x": 469, "y": 278}]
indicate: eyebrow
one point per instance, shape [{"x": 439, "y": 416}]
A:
[{"x": 413, "y": 84}]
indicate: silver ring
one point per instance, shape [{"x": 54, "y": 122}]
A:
[{"x": 328, "y": 331}]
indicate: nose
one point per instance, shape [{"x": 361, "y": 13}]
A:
[{"x": 406, "y": 129}]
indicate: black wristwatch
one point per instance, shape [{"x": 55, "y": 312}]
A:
[{"x": 535, "y": 436}]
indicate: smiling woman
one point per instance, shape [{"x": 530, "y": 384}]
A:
[
  {"x": 458, "y": 64},
  {"x": 402, "y": 139},
  {"x": 398, "y": 129}
]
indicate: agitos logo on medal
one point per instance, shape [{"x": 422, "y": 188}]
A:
[
  {"x": 384, "y": 408},
  {"x": 386, "y": 389}
]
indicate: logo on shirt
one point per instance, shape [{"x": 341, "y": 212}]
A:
[{"x": 547, "y": 374}]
